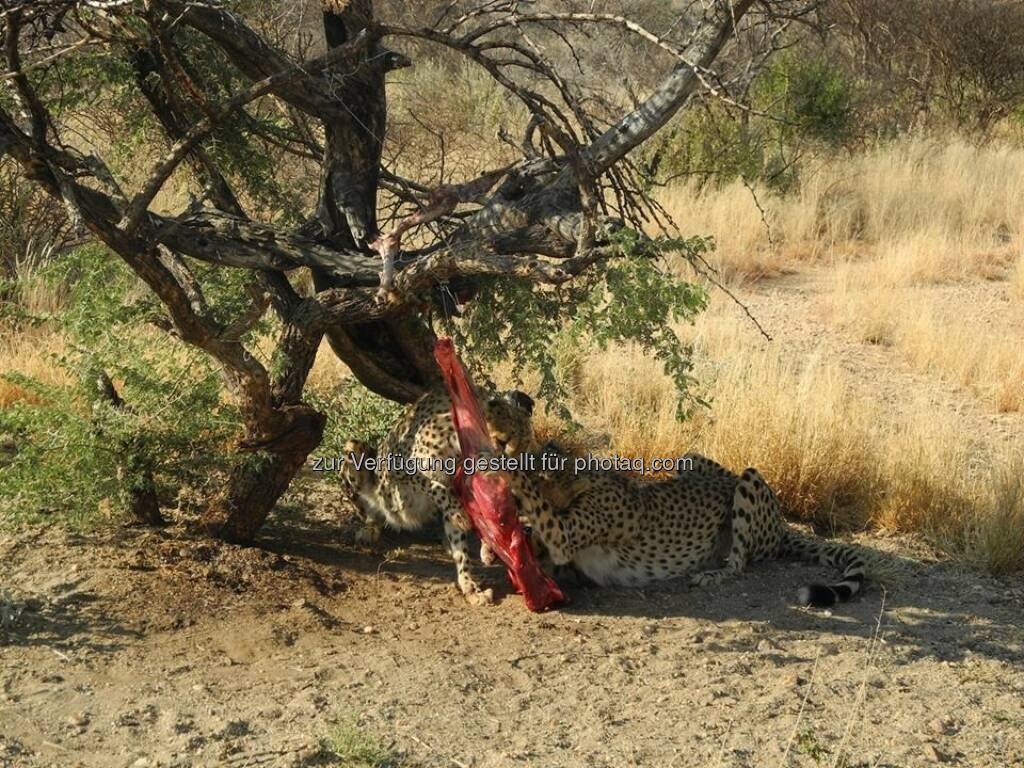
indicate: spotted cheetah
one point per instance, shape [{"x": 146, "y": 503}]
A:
[
  {"x": 705, "y": 522},
  {"x": 408, "y": 500}
]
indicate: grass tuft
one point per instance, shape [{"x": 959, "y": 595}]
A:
[{"x": 352, "y": 747}]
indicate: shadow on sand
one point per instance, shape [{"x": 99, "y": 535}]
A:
[{"x": 932, "y": 610}]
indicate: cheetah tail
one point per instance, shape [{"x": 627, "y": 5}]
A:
[{"x": 843, "y": 557}]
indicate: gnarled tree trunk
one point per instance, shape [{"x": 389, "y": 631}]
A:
[
  {"x": 257, "y": 480},
  {"x": 544, "y": 219}
]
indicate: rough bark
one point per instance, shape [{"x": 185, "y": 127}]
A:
[
  {"x": 669, "y": 97},
  {"x": 391, "y": 359},
  {"x": 258, "y": 479},
  {"x": 278, "y": 447}
]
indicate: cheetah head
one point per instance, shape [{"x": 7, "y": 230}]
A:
[
  {"x": 355, "y": 473},
  {"x": 556, "y": 480},
  {"x": 509, "y": 421}
]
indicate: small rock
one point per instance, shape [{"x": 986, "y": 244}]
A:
[
  {"x": 195, "y": 743},
  {"x": 941, "y": 725},
  {"x": 794, "y": 681},
  {"x": 142, "y": 762},
  {"x": 932, "y": 755},
  {"x": 127, "y": 720},
  {"x": 300, "y": 603},
  {"x": 306, "y": 754},
  {"x": 369, "y": 630},
  {"x": 81, "y": 720}
]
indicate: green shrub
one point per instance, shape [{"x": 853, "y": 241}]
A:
[
  {"x": 814, "y": 98},
  {"x": 631, "y": 298},
  {"x": 65, "y": 445},
  {"x": 796, "y": 101}
]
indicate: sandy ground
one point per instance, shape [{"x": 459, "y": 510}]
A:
[
  {"x": 133, "y": 648},
  {"x": 149, "y": 649}
]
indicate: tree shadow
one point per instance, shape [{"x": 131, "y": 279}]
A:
[
  {"x": 331, "y": 543},
  {"x": 938, "y": 611},
  {"x": 73, "y": 621},
  {"x": 934, "y": 610}
]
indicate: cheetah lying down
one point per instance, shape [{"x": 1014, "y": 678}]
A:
[{"x": 705, "y": 522}]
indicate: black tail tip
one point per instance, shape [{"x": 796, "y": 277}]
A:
[{"x": 816, "y": 596}]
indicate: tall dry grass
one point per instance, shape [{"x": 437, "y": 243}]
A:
[
  {"x": 1017, "y": 280},
  {"x": 935, "y": 200},
  {"x": 913, "y": 213},
  {"x": 969, "y": 339},
  {"x": 836, "y": 456},
  {"x": 29, "y": 353}
]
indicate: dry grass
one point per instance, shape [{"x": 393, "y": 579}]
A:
[
  {"x": 811, "y": 431},
  {"x": 328, "y": 373},
  {"x": 978, "y": 349},
  {"x": 1017, "y": 280},
  {"x": 930, "y": 201},
  {"x": 835, "y": 456},
  {"x": 29, "y": 353}
]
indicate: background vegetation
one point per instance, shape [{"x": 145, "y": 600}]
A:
[{"x": 883, "y": 154}]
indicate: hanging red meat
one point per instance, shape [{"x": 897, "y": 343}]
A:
[{"x": 485, "y": 496}]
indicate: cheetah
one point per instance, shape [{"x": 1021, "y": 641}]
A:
[
  {"x": 705, "y": 522},
  {"x": 410, "y": 500}
]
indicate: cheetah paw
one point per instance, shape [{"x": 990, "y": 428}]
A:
[
  {"x": 473, "y": 593},
  {"x": 481, "y": 597},
  {"x": 709, "y": 578},
  {"x": 368, "y": 535},
  {"x": 487, "y": 556}
]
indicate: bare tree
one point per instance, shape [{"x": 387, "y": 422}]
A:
[
  {"x": 544, "y": 219},
  {"x": 958, "y": 60}
]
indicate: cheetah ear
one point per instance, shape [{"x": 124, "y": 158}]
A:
[
  {"x": 551, "y": 448},
  {"x": 520, "y": 399}
]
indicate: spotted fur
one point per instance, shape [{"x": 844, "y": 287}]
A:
[
  {"x": 411, "y": 501},
  {"x": 706, "y": 522}
]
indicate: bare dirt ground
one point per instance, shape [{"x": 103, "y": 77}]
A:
[{"x": 132, "y": 648}]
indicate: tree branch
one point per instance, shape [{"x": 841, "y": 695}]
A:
[
  {"x": 639, "y": 125},
  {"x": 162, "y": 172},
  {"x": 252, "y": 54}
]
